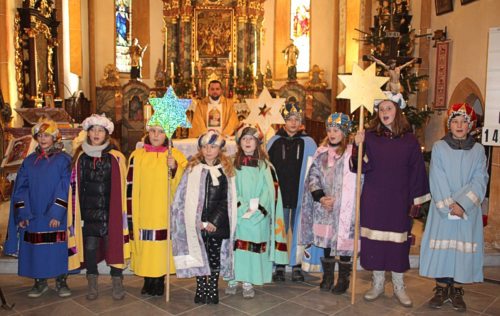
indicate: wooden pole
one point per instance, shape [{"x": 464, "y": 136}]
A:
[
  {"x": 358, "y": 203},
  {"x": 169, "y": 242}
]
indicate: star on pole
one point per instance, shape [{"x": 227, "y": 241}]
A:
[
  {"x": 265, "y": 110},
  {"x": 169, "y": 112},
  {"x": 362, "y": 87}
]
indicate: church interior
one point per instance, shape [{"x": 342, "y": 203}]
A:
[{"x": 68, "y": 59}]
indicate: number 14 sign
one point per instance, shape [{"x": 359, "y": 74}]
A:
[{"x": 491, "y": 127}]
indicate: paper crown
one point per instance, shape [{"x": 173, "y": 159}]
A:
[
  {"x": 100, "y": 120},
  {"x": 465, "y": 110},
  {"x": 249, "y": 129},
  {"x": 211, "y": 137},
  {"x": 396, "y": 98},
  {"x": 291, "y": 109},
  {"x": 341, "y": 121},
  {"x": 46, "y": 126}
]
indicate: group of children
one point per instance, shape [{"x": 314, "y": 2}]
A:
[{"x": 229, "y": 217}]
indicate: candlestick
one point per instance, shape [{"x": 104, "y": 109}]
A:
[
  {"x": 172, "y": 69},
  {"x": 255, "y": 69},
  {"x": 197, "y": 55},
  {"x": 230, "y": 57},
  {"x": 192, "y": 69},
  {"x": 235, "y": 70}
]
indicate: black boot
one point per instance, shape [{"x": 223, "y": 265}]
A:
[
  {"x": 279, "y": 275},
  {"x": 212, "y": 289},
  {"x": 297, "y": 274},
  {"x": 201, "y": 296},
  {"x": 146, "y": 288},
  {"x": 328, "y": 265},
  {"x": 441, "y": 295},
  {"x": 457, "y": 298},
  {"x": 343, "y": 280},
  {"x": 159, "y": 286}
]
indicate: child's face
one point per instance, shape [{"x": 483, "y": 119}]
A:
[
  {"x": 459, "y": 127},
  {"x": 97, "y": 135},
  {"x": 248, "y": 144},
  {"x": 45, "y": 140},
  {"x": 335, "y": 135},
  {"x": 292, "y": 125},
  {"x": 156, "y": 136},
  {"x": 387, "y": 113},
  {"x": 210, "y": 153}
]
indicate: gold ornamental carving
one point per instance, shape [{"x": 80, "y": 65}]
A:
[{"x": 18, "y": 58}]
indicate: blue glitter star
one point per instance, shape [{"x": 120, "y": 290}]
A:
[{"x": 169, "y": 112}]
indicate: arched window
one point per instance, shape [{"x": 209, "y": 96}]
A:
[
  {"x": 300, "y": 31},
  {"x": 123, "y": 26}
]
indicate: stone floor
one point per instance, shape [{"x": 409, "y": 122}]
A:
[{"x": 275, "y": 299}]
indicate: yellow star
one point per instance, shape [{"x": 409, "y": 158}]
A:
[
  {"x": 362, "y": 87},
  {"x": 281, "y": 228}
]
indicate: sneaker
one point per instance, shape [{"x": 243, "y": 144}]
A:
[
  {"x": 457, "y": 298},
  {"x": 248, "y": 291},
  {"x": 62, "y": 288},
  {"x": 441, "y": 295},
  {"x": 38, "y": 289},
  {"x": 231, "y": 289}
]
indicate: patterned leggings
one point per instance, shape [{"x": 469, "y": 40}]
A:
[{"x": 213, "y": 246}]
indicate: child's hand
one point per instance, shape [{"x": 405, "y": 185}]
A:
[
  {"x": 54, "y": 223},
  {"x": 210, "y": 228},
  {"x": 23, "y": 224},
  {"x": 457, "y": 210},
  {"x": 327, "y": 202},
  {"x": 172, "y": 164},
  {"x": 359, "y": 137}
]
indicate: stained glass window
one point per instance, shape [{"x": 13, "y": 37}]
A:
[
  {"x": 123, "y": 25},
  {"x": 300, "y": 31}
]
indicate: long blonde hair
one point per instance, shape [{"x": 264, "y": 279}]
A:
[{"x": 225, "y": 161}]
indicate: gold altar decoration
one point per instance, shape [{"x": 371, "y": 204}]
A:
[
  {"x": 316, "y": 80},
  {"x": 111, "y": 77}
]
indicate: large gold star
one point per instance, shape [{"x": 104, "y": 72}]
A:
[{"x": 362, "y": 87}]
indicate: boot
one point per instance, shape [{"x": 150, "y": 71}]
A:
[
  {"x": 343, "y": 279},
  {"x": 279, "y": 275},
  {"x": 297, "y": 275},
  {"x": 400, "y": 290},
  {"x": 441, "y": 295},
  {"x": 62, "y": 287},
  {"x": 200, "y": 297},
  {"x": 328, "y": 265},
  {"x": 146, "y": 288},
  {"x": 118, "y": 292},
  {"x": 248, "y": 290},
  {"x": 92, "y": 287},
  {"x": 212, "y": 288},
  {"x": 38, "y": 288},
  {"x": 457, "y": 298},
  {"x": 377, "y": 288},
  {"x": 232, "y": 288},
  {"x": 159, "y": 286}
]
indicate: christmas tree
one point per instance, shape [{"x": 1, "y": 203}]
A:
[{"x": 392, "y": 45}]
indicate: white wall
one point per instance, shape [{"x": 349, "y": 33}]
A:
[{"x": 467, "y": 27}]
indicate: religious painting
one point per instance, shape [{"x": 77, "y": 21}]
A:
[
  {"x": 49, "y": 100},
  {"x": 135, "y": 112},
  {"x": 18, "y": 149},
  {"x": 300, "y": 31},
  {"x": 214, "y": 33},
  {"x": 123, "y": 40},
  {"x": 443, "y": 6},
  {"x": 466, "y": 1}
]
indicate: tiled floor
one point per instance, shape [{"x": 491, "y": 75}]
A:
[{"x": 276, "y": 299}]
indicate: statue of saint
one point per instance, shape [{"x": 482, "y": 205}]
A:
[
  {"x": 394, "y": 72},
  {"x": 291, "y": 53},
  {"x": 136, "y": 53}
]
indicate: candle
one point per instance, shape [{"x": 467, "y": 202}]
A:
[
  {"x": 172, "y": 69},
  {"x": 425, "y": 107},
  {"x": 255, "y": 69},
  {"x": 192, "y": 68},
  {"x": 230, "y": 57},
  {"x": 147, "y": 111},
  {"x": 197, "y": 55},
  {"x": 235, "y": 70}
]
